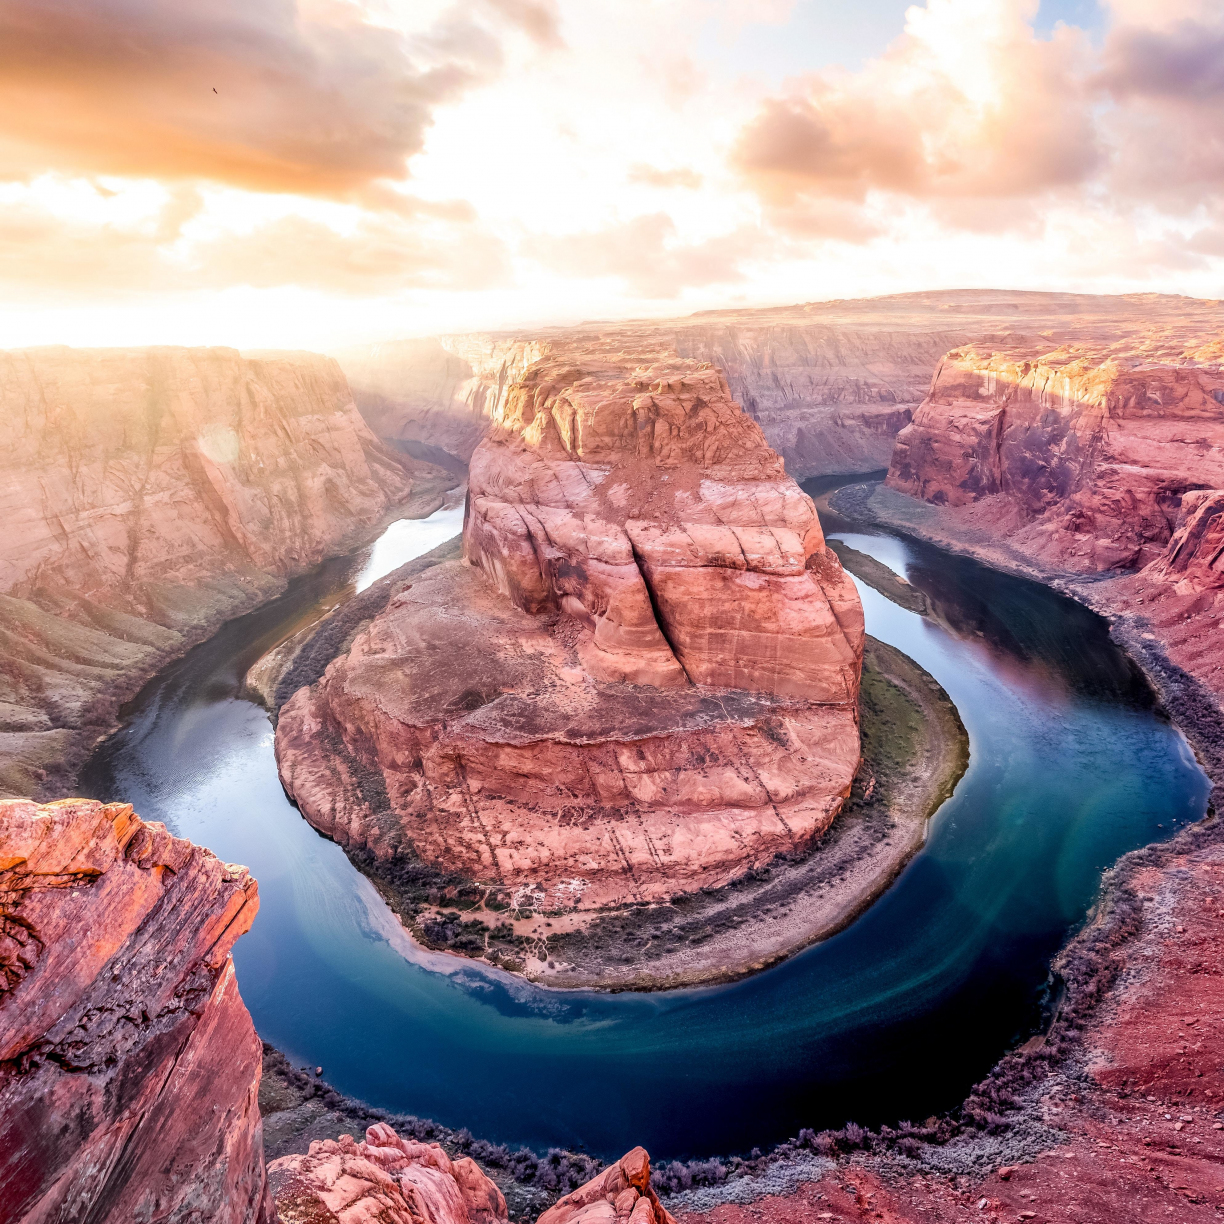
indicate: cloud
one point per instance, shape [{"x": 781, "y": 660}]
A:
[
  {"x": 252, "y": 93},
  {"x": 1184, "y": 63},
  {"x": 538, "y": 19},
  {"x": 1165, "y": 80},
  {"x": 968, "y": 103},
  {"x": 991, "y": 128},
  {"x": 48, "y": 257},
  {"x": 652, "y": 176},
  {"x": 646, "y": 256}
]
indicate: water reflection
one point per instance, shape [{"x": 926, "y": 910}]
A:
[{"x": 895, "y": 1017}]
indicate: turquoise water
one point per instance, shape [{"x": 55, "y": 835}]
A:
[{"x": 1072, "y": 765}]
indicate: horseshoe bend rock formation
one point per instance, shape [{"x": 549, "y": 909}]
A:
[
  {"x": 641, "y": 680},
  {"x": 146, "y": 495},
  {"x": 129, "y": 1067}
]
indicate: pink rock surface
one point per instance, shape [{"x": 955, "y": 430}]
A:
[
  {"x": 620, "y": 1193},
  {"x": 382, "y": 1180},
  {"x": 129, "y": 1067},
  {"x": 643, "y": 680},
  {"x": 147, "y": 494},
  {"x": 1104, "y": 457},
  {"x": 1086, "y": 450},
  {"x": 648, "y": 505}
]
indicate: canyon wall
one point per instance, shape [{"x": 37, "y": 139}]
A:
[
  {"x": 1080, "y": 454},
  {"x": 438, "y": 392},
  {"x": 641, "y": 680},
  {"x": 148, "y": 494},
  {"x": 830, "y": 383},
  {"x": 1098, "y": 465},
  {"x": 129, "y": 1067}
]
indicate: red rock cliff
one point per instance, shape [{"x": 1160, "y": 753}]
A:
[
  {"x": 129, "y": 1067},
  {"x": 1083, "y": 452},
  {"x": 643, "y": 681},
  {"x": 147, "y": 494}
]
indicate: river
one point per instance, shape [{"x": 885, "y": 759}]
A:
[{"x": 1072, "y": 765}]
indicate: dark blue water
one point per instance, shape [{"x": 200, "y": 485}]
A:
[{"x": 1072, "y": 765}]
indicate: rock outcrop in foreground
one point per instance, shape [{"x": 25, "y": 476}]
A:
[
  {"x": 129, "y": 1067},
  {"x": 621, "y": 1192},
  {"x": 830, "y": 383},
  {"x": 389, "y": 1180},
  {"x": 382, "y": 1180},
  {"x": 642, "y": 680},
  {"x": 148, "y": 494}
]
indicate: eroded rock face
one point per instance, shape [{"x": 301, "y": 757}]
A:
[
  {"x": 147, "y": 494},
  {"x": 438, "y": 392},
  {"x": 649, "y": 506},
  {"x": 643, "y": 680},
  {"x": 129, "y": 1067},
  {"x": 382, "y": 1180},
  {"x": 1080, "y": 456}
]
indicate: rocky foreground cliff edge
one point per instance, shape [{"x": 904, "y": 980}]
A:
[{"x": 129, "y": 1067}]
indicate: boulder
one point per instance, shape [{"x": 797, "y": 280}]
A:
[{"x": 382, "y": 1180}]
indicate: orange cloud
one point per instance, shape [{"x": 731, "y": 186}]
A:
[
  {"x": 967, "y": 103},
  {"x": 643, "y": 253},
  {"x": 49, "y": 258},
  {"x": 652, "y": 176},
  {"x": 251, "y": 93}
]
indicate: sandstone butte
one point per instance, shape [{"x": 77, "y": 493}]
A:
[
  {"x": 129, "y": 1067},
  {"x": 830, "y": 383},
  {"x": 641, "y": 680},
  {"x": 146, "y": 495},
  {"x": 1097, "y": 465}
]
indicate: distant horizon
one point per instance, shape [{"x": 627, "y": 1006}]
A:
[{"x": 254, "y": 350}]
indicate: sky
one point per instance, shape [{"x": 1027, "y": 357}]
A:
[{"x": 320, "y": 173}]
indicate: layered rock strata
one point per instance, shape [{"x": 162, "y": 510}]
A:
[
  {"x": 1098, "y": 468},
  {"x": 1080, "y": 455},
  {"x": 147, "y": 494},
  {"x": 642, "y": 680},
  {"x": 830, "y": 383},
  {"x": 382, "y": 1180},
  {"x": 129, "y": 1067}
]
